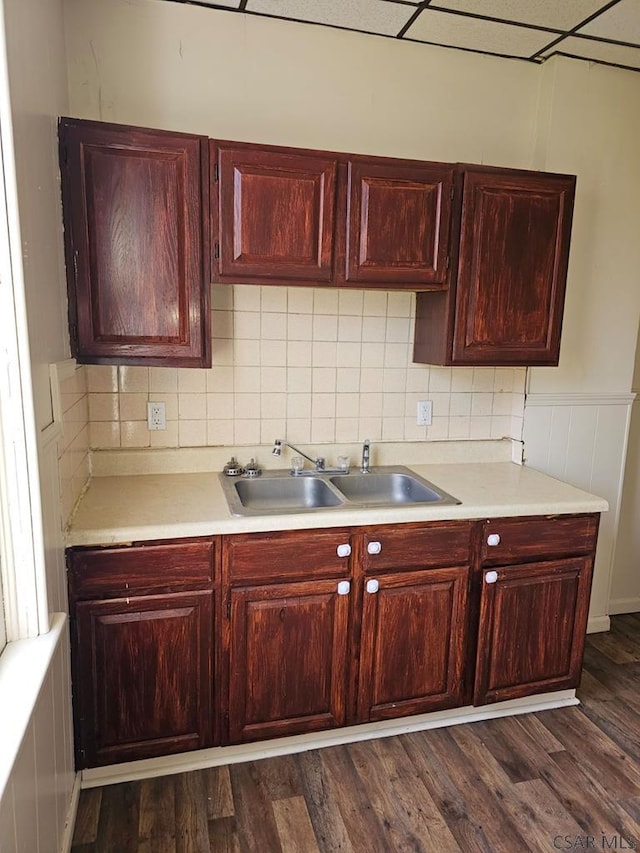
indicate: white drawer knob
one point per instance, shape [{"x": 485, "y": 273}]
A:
[
  {"x": 373, "y": 585},
  {"x": 344, "y": 587},
  {"x": 491, "y": 577},
  {"x": 493, "y": 539},
  {"x": 374, "y": 547},
  {"x": 343, "y": 550}
]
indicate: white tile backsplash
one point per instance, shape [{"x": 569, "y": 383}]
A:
[{"x": 312, "y": 364}]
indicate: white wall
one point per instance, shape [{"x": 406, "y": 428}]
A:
[
  {"x": 34, "y": 806},
  {"x": 209, "y": 71},
  {"x": 589, "y": 125},
  {"x": 577, "y": 415}
]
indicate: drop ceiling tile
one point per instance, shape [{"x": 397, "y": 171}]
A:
[
  {"x": 599, "y": 51},
  {"x": 555, "y": 14},
  {"x": 475, "y": 34},
  {"x": 620, "y": 23},
  {"x": 372, "y": 16}
]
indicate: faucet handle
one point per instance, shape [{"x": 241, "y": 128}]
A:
[{"x": 366, "y": 455}]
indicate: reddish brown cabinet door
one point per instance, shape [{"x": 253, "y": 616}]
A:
[
  {"x": 398, "y": 218},
  {"x": 136, "y": 231},
  {"x": 512, "y": 267},
  {"x": 143, "y": 679},
  {"x": 273, "y": 214},
  {"x": 510, "y": 255},
  {"x": 413, "y": 642},
  {"x": 533, "y": 620},
  {"x": 287, "y": 659}
]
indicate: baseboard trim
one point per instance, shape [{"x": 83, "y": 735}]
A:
[
  {"x": 624, "y": 605},
  {"x": 598, "y": 624},
  {"x": 70, "y": 823},
  {"x": 187, "y": 761}
]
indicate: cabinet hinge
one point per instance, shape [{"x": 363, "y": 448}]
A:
[
  {"x": 452, "y": 193},
  {"x": 216, "y": 172},
  {"x": 64, "y": 155},
  {"x": 447, "y": 263},
  {"x": 216, "y": 250},
  {"x": 228, "y": 608}
]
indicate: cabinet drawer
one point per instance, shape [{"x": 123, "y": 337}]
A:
[
  {"x": 139, "y": 570},
  {"x": 420, "y": 546},
  {"x": 507, "y": 540},
  {"x": 275, "y": 556}
]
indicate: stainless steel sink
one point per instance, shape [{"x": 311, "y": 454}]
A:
[
  {"x": 279, "y": 492},
  {"x": 389, "y": 487}
]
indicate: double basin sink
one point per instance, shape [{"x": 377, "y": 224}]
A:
[{"x": 280, "y": 492}]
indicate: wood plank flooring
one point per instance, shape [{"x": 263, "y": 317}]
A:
[{"x": 567, "y": 779}]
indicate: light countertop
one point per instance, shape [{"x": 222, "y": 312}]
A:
[{"x": 127, "y": 508}]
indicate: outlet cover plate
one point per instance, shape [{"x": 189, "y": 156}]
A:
[
  {"x": 424, "y": 413},
  {"x": 156, "y": 416}
]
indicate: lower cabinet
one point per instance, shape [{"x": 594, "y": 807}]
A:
[
  {"x": 533, "y": 619},
  {"x": 288, "y": 659},
  {"x": 413, "y": 641},
  {"x": 316, "y": 629},
  {"x": 143, "y": 676},
  {"x": 373, "y": 616},
  {"x": 142, "y": 628},
  {"x": 535, "y": 583}
]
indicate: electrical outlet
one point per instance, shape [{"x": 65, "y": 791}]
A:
[
  {"x": 156, "y": 416},
  {"x": 424, "y": 413}
]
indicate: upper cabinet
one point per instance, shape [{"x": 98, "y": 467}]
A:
[
  {"x": 273, "y": 214},
  {"x": 148, "y": 225},
  {"x": 398, "y": 219},
  {"x": 136, "y": 234},
  {"x": 292, "y": 216},
  {"x": 506, "y": 298}
]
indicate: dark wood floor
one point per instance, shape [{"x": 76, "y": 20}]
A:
[{"x": 547, "y": 781}]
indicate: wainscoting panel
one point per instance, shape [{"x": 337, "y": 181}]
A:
[
  {"x": 625, "y": 584},
  {"x": 582, "y": 439}
]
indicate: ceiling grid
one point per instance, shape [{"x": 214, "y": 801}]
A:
[{"x": 606, "y": 32}]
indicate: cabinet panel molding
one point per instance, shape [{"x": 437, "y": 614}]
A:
[
  {"x": 398, "y": 222},
  {"x": 510, "y": 257},
  {"x": 414, "y": 630},
  {"x": 143, "y": 677},
  {"x": 513, "y": 257},
  {"x": 136, "y": 231},
  {"x": 273, "y": 213},
  {"x": 533, "y": 621},
  {"x": 287, "y": 659}
]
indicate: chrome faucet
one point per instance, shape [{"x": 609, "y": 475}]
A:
[
  {"x": 319, "y": 464},
  {"x": 366, "y": 456}
]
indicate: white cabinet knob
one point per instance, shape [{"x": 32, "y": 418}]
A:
[
  {"x": 373, "y": 585},
  {"x": 344, "y": 587},
  {"x": 374, "y": 547},
  {"x": 493, "y": 539},
  {"x": 343, "y": 550},
  {"x": 491, "y": 577}
]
